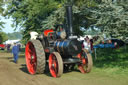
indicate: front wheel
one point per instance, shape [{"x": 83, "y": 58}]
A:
[
  {"x": 55, "y": 64},
  {"x": 35, "y": 57}
]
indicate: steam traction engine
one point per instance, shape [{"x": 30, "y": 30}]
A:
[{"x": 58, "y": 48}]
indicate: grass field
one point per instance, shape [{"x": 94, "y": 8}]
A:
[{"x": 112, "y": 62}]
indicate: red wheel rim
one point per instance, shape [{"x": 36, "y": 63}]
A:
[
  {"x": 53, "y": 65},
  {"x": 82, "y": 58},
  {"x": 83, "y": 63},
  {"x": 31, "y": 59}
]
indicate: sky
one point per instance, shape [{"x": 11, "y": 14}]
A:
[{"x": 7, "y": 25}]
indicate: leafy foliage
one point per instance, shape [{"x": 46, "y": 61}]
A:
[
  {"x": 29, "y": 14},
  {"x": 1, "y": 12},
  {"x": 79, "y": 19},
  {"x": 37, "y": 15},
  {"x": 3, "y": 37},
  {"x": 1, "y": 3},
  {"x": 112, "y": 19}
]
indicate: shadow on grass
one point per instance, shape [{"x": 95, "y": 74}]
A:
[
  {"x": 108, "y": 57},
  {"x": 65, "y": 71},
  {"x": 24, "y": 68},
  {"x": 46, "y": 72},
  {"x": 6, "y": 58},
  {"x": 12, "y": 61}
]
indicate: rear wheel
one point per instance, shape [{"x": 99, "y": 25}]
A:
[
  {"x": 86, "y": 61},
  {"x": 35, "y": 57},
  {"x": 55, "y": 64}
]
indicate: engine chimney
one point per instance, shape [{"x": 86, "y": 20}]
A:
[{"x": 69, "y": 20}]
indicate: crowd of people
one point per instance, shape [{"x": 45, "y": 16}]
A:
[
  {"x": 107, "y": 44},
  {"x": 88, "y": 44}
]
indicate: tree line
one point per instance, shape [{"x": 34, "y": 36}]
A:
[{"x": 9, "y": 36}]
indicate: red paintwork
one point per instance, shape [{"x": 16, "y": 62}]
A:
[
  {"x": 81, "y": 66},
  {"x": 53, "y": 65},
  {"x": 31, "y": 58},
  {"x": 2, "y": 45},
  {"x": 46, "y": 32},
  {"x": 46, "y": 50}
]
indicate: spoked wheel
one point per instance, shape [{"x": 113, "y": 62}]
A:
[
  {"x": 55, "y": 64},
  {"x": 86, "y": 61},
  {"x": 35, "y": 57}
]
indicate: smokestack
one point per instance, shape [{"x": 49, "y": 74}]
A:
[{"x": 69, "y": 20}]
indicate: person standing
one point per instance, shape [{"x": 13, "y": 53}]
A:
[
  {"x": 8, "y": 47},
  {"x": 19, "y": 45},
  {"x": 15, "y": 51},
  {"x": 91, "y": 44},
  {"x": 86, "y": 44}
]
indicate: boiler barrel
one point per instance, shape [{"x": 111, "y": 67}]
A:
[{"x": 68, "y": 47}]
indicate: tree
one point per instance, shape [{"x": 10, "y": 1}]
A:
[
  {"x": 1, "y": 12},
  {"x": 1, "y": 3},
  {"x": 112, "y": 18},
  {"x": 37, "y": 15},
  {"x": 3, "y": 37},
  {"x": 29, "y": 14},
  {"x": 80, "y": 18}
]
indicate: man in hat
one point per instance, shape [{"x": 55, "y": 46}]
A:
[{"x": 15, "y": 51}]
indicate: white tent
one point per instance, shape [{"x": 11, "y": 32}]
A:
[{"x": 12, "y": 41}]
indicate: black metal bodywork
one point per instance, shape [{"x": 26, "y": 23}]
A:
[{"x": 67, "y": 47}]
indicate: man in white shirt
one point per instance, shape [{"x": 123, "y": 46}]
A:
[{"x": 86, "y": 44}]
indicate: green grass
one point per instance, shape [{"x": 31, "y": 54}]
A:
[
  {"x": 1, "y": 51},
  {"x": 112, "y": 61}
]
